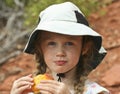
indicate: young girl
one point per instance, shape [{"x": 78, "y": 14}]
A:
[{"x": 65, "y": 47}]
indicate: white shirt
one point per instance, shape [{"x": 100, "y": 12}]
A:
[{"x": 94, "y": 88}]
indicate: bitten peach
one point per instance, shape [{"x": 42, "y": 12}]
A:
[{"x": 37, "y": 80}]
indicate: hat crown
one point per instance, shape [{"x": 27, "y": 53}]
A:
[{"x": 60, "y": 12}]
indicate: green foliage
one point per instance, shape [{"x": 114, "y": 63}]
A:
[
  {"x": 102, "y": 12},
  {"x": 9, "y": 3},
  {"x": 34, "y": 7}
]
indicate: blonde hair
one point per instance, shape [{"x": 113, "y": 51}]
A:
[{"x": 83, "y": 66}]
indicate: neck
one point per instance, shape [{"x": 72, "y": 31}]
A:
[{"x": 68, "y": 79}]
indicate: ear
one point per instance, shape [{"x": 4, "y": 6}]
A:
[{"x": 86, "y": 48}]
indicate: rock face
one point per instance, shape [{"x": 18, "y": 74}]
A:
[
  {"x": 113, "y": 74},
  {"x": 108, "y": 25},
  {"x": 107, "y": 73}
]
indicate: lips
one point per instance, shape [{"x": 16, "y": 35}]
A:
[{"x": 60, "y": 62}]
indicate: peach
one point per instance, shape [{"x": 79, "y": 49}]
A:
[{"x": 37, "y": 80}]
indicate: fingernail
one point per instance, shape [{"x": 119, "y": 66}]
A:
[
  {"x": 38, "y": 86},
  {"x": 29, "y": 74}
]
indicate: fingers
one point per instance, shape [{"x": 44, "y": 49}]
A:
[
  {"x": 52, "y": 87},
  {"x": 49, "y": 85},
  {"x": 23, "y": 81},
  {"x": 23, "y": 88},
  {"x": 45, "y": 92},
  {"x": 50, "y": 82},
  {"x": 22, "y": 84},
  {"x": 46, "y": 88},
  {"x": 25, "y": 78}
]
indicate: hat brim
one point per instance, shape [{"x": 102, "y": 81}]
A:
[
  {"x": 66, "y": 27},
  {"x": 62, "y": 27}
]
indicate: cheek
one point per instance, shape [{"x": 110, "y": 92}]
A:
[
  {"x": 48, "y": 55},
  {"x": 74, "y": 55}
]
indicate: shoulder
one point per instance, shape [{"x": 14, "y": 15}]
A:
[{"x": 94, "y": 88}]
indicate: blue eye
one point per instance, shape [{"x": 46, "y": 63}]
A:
[
  {"x": 51, "y": 43},
  {"x": 69, "y": 43}
]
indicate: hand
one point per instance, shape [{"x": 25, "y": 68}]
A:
[
  {"x": 52, "y": 87},
  {"x": 22, "y": 85}
]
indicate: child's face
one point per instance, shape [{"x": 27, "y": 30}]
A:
[{"x": 61, "y": 52}]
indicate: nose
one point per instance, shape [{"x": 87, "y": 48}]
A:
[{"x": 60, "y": 52}]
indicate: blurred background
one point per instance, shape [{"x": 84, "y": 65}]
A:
[{"x": 19, "y": 17}]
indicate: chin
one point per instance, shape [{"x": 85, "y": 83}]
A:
[{"x": 59, "y": 71}]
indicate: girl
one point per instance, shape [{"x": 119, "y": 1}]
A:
[{"x": 65, "y": 47}]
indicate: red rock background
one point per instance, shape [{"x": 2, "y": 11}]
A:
[{"x": 107, "y": 23}]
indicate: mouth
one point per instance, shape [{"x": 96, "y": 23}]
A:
[{"x": 60, "y": 62}]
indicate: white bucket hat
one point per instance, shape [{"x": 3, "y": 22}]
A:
[{"x": 65, "y": 18}]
